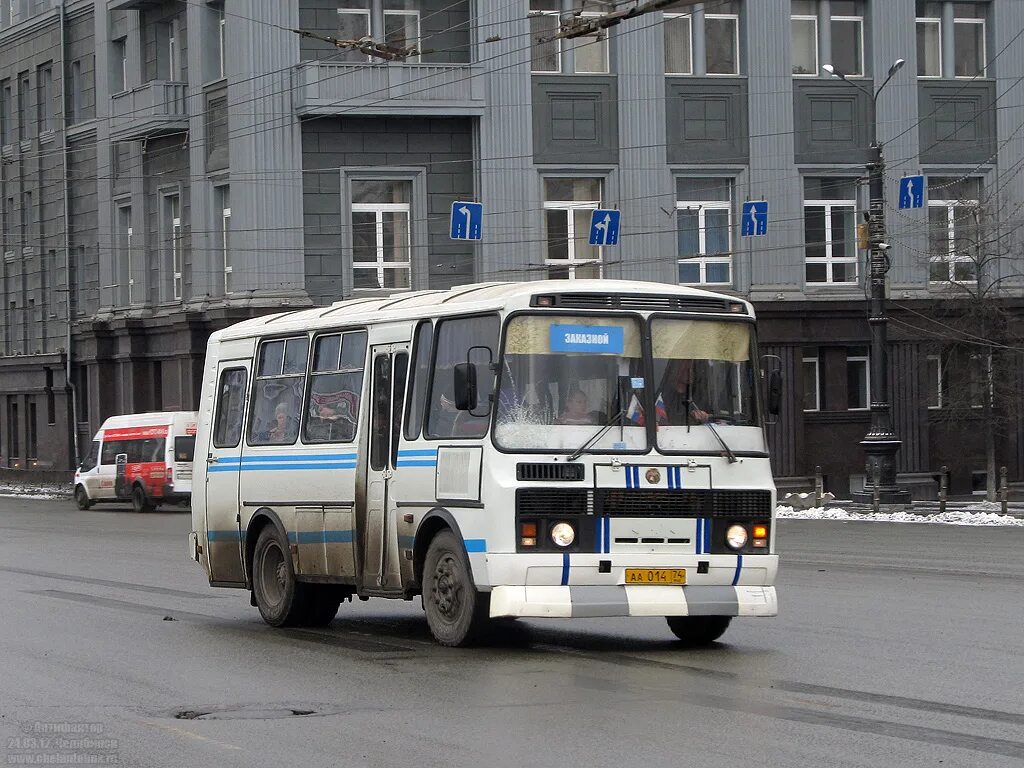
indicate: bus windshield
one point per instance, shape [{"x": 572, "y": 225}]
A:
[{"x": 571, "y": 375}]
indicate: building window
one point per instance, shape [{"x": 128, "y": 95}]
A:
[
  {"x": 858, "y": 380},
  {"x": 381, "y": 243},
  {"x": 843, "y": 34},
  {"x": 812, "y": 381},
  {"x": 355, "y": 21},
  {"x": 223, "y": 203},
  {"x": 704, "y": 220},
  {"x": 221, "y": 40},
  {"x": 935, "y": 383},
  {"x": 119, "y": 65},
  {"x": 720, "y": 22},
  {"x": 587, "y": 54},
  {"x": 567, "y": 212},
  {"x": 75, "y": 93},
  {"x": 28, "y": 219},
  {"x": 23, "y": 90},
  {"x": 967, "y": 39},
  {"x": 830, "y": 242},
  {"x": 44, "y": 105},
  {"x": 172, "y": 230},
  {"x": 32, "y": 431},
  {"x": 124, "y": 251},
  {"x": 980, "y": 380},
  {"x": 6, "y": 112},
  {"x": 952, "y": 229}
]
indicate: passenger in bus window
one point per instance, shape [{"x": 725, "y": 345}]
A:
[
  {"x": 279, "y": 431},
  {"x": 576, "y": 409}
]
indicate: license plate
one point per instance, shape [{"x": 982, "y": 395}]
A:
[{"x": 655, "y": 575}]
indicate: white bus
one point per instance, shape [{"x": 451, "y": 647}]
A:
[{"x": 548, "y": 449}]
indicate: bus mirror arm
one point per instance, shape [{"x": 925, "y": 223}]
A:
[{"x": 465, "y": 386}]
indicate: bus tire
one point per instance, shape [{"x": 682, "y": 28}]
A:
[
  {"x": 141, "y": 502},
  {"x": 456, "y": 612},
  {"x": 282, "y": 600},
  {"x": 698, "y": 631},
  {"x": 82, "y": 500}
]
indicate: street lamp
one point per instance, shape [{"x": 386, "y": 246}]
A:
[{"x": 881, "y": 442}]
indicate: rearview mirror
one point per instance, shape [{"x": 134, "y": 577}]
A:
[
  {"x": 774, "y": 392},
  {"x": 465, "y": 386}
]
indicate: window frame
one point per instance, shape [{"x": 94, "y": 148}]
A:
[
  {"x": 983, "y": 23},
  {"x": 570, "y": 206},
  {"x": 124, "y": 245},
  {"x": 704, "y": 259},
  {"x": 951, "y": 258},
  {"x": 675, "y": 16},
  {"x": 735, "y": 18},
  {"x": 365, "y": 12},
  {"x": 861, "y": 23},
  {"x": 933, "y": 20},
  {"x": 381, "y": 265},
  {"x": 866, "y": 360},
  {"x": 602, "y": 41},
  {"x": 828, "y": 259},
  {"x": 172, "y": 202},
  {"x": 816, "y": 360},
  {"x": 938, "y": 382},
  {"x": 219, "y": 400},
  {"x": 412, "y": 377},
  {"x": 415, "y": 13},
  {"x": 817, "y": 48},
  {"x": 256, "y": 378},
  {"x": 557, "y": 42}
]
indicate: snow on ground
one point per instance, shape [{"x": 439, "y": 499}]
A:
[
  {"x": 34, "y": 491},
  {"x": 975, "y": 514}
]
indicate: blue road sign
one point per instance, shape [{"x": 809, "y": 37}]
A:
[
  {"x": 912, "y": 192},
  {"x": 755, "y": 218},
  {"x": 467, "y": 221},
  {"x": 604, "y": 227}
]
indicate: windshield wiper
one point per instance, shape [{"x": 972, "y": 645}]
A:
[
  {"x": 597, "y": 436},
  {"x": 725, "y": 448}
]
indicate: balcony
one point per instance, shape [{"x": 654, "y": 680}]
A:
[
  {"x": 132, "y": 5},
  {"x": 328, "y": 88},
  {"x": 158, "y": 107}
]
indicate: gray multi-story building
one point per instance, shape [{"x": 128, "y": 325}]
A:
[{"x": 172, "y": 166}]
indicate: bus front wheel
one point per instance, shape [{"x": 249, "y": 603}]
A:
[
  {"x": 696, "y": 631},
  {"x": 82, "y": 500},
  {"x": 456, "y": 612}
]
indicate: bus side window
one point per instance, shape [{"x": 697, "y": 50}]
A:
[
  {"x": 335, "y": 388},
  {"x": 419, "y": 374},
  {"x": 110, "y": 450},
  {"x": 277, "y": 393},
  {"x": 455, "y": 337},
  {"x": 227, "y": 425}
]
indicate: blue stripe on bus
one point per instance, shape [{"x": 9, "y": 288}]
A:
[
  {"x": 565, "y": 569},
  {"x": 739, "y": 567},
  {"x": 215, "y": 536},
  {"x": 419, "y": 452},
  {"x": 607, "y": 534},
  {"x": 287, "y": 457},
  {"x": 679, "y": 476},
  {"x": 707, "y": 535},
  {"x": 270, "y": 467},
  {"x": 416, "y": 463},
  {"x": 699, "y": 538},
  {"x": 320, "y": 537},
  {"x": 476, "y": 545}
]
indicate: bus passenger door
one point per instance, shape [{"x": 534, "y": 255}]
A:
[
  {"x": 380, "y": 567},
  {"x": 223, "y": 470}
]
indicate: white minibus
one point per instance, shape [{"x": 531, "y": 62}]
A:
[{"x": 582, "y": 448}]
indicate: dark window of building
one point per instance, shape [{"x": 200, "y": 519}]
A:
[
  {"x": 13, "y": 434},
  {"x": 858, "y": 382},
  {"x": 23, "y": 93},
  {"x": 573, "y": 118},
  {"x": 720, "y": 21},
  {"x": 158, "y": 385},
  {"x": 75, "y": 93},
  {"x": 51, "y": 405},
  {"x": 705, "y": 119},
  {"x": 119, "y": 65},
  {"x": 32, "y": 432},
  {"x": 44, "y": 105},
  {"x": 6, "y": 112}
]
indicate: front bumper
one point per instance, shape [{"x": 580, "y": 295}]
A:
[{"x": 640, "y": 600}]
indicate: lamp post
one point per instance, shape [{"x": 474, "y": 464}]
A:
[{"x": 881, "y": 442}]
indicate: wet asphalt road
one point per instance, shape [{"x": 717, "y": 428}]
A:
[{"x": 897, "y": 645}]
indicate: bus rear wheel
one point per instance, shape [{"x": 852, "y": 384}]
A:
[
  {"x": 456, "y": 612},
  {"x": 697, "y": 631},
  {"x": 280, "y": 598}
]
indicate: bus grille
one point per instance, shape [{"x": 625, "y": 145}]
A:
[
  {"x": 551, "y": 501},
  {"x": 554, "y": 472},
  {"x": 684, "y": 503}
]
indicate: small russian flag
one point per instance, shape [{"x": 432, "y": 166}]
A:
[
  {"x": 660, "y": 412},
  {"x": 635, "y": 413}
]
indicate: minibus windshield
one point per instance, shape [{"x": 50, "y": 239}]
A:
[{"x": 571, "y": 374}]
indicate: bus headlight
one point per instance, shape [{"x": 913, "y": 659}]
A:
[
  {"x": 736, "y": 536},
  {"x": 563, "y": 535}
]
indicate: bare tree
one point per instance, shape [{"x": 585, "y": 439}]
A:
[{"x": 977, "y": 322}]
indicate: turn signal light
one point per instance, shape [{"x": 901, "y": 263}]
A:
[
  {"x": 528, "y": 534},
  {"x": 529, "y": 529},
  {"x": 760, "y": 532}
]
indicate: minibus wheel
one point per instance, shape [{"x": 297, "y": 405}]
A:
[
  {"x": 695, "y": 631},
  {"x": 280, "y": 598},
  {"x": 82, "y": 498},
  {"x": 139, "y": 501},
  {"x": 456, "y": 612}
]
